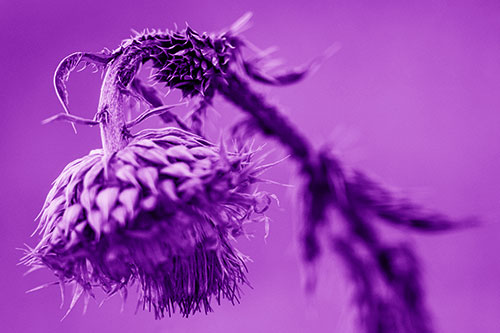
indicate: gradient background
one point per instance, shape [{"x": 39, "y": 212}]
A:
[{"x": 412, "y": 97}]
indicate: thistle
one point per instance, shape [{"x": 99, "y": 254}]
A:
[
  {"x": 161, "y": 211},
  {"x": 160, "y": 207}
]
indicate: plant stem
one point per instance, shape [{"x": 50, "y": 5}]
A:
[
  {"x": 268, "y": 118},
  {"x": 114, "y": 134}
]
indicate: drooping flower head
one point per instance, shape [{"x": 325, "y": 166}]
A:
[{"x": 161, "y": 212}]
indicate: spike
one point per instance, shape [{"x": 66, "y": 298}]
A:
[
  {"x": 43, "y": 286},
  {"x": 78, "y": 291}
]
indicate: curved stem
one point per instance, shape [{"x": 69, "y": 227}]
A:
[
  {"x": 110, "y": 114},
  {"x": 69, "y": 64}
]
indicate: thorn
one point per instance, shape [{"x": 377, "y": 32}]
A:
[
  {"x": 33, "y": 269},
  {"x": 41, "y": 287}
]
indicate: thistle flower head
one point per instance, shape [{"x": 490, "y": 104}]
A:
[
  {"x": 160, "y": 212},
  {"x": 186, "y": 59}
]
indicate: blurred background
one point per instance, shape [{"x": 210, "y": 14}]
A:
[{"x": 411, "y": 97}]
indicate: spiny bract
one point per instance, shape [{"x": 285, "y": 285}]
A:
[
  {"x": 162, "y": 212},
  {"x": 184, "y": 59}
]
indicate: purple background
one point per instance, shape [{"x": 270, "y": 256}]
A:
[{"x": 412, "y": 97}]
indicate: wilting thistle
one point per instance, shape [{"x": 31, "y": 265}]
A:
[
  {"x": 160, "y": 207},
  {"x": 162, "y": 211}
]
